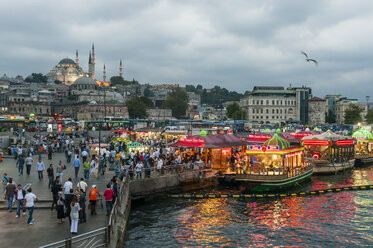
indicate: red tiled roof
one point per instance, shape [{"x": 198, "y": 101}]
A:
[{"x": 316, "y": 99}]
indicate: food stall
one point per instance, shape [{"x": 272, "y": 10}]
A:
[
  {"x": 363, "y": 147},
  {"x": 329, "y": 152},
  {"x": 274, "y": 165}
]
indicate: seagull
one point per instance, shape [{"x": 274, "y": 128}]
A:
[{"x": 308, "y": 59}]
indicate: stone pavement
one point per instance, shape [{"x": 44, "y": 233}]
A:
[{"x": 14, "y": 232}]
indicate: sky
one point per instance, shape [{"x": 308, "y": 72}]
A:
[{"x": 235, "y": 44}]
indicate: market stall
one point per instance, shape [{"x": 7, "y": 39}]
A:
[
  {"x": 329, "y": 152},
  {"x": 363, "y": 147}
]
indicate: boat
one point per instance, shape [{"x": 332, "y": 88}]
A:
[
  {"x": 329, "y": 153},
  {"x": 363, "y": 147},
  {"x": 273, "y": 166}
]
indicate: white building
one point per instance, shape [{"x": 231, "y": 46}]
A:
[
  {"x": 317, "y": 110},
  {"x": 277, "y": 105},
  {"x": 343, "y": 104}
]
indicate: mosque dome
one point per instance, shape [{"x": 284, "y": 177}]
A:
[
  {"x": 66, "y": 61},
  {"x": 85, "y": 83}
]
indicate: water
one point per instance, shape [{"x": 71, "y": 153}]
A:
[{"x": 342, "y": 219}]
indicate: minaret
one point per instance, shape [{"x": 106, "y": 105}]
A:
[
  {"x": 89, "y": 65},
  {"x": 120, "y": 68},
  {"x": 104, "y": 73},
  {"x": 93, "y": 62},
  {"x": 77, "y": 58}
]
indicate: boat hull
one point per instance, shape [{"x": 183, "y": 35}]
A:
[
  {"x": 361, "y": 162},
  {"x": 271, "y": 184},
  {"x": 325, "y": 168}
]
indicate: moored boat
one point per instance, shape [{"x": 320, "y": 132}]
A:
[
  {"x": 273, "y": 166},
  {"x": 363, "y": 147},
  {"x": 329, "y": 153}
]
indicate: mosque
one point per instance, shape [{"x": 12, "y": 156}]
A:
[{"x": 68, "y": 71}]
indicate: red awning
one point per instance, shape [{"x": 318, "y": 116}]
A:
[{"x": 211, "y": 141}]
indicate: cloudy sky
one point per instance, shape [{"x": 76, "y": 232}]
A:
[{"x": 234, "y": 44}]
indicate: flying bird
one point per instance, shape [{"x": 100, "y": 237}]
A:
[{"x": 308, "y": 59}]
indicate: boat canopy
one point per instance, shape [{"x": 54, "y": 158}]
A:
[{"x": 363, "y": 135}]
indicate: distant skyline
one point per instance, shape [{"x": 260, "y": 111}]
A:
[{"x": 234, "y": 44}]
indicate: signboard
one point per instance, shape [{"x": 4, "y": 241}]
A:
[{"x": 59, "y": 127}]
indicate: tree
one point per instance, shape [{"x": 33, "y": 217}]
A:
[
  {"x": 177, "y": 101},
  {"x": 330, "y": 117},
  {"x": 147, "y": 101},
  {"x": 239, "y": 115},
  {"x": 190, "y": 88},
  {"x": 232, "y": 108},
  {"x": 117, "y": 80},
  {"x": 148, "y": 92},
  {"x": 369, "y": 117},
  {"x": 352, "y": 114},
  {"x": 36, "y": 78},
  {"x": 136, "y": 108}
]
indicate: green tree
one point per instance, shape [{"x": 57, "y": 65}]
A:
[
  {"x": 136, "y": 108},
  {"x": 369, "y": 117},
  {"x": 36, "y": 78},
  {"x": 352, "y": 114},
  {"x": 177, "y": 101},
  {"x": 190, "y": 88},
  {"x": 239, "y": 115},
  {"x": 147, "y": 101},
  {"x": 148, "y": 92},
  {"x": 118, "y": 80},
  {"x": 232, "y": 108}
]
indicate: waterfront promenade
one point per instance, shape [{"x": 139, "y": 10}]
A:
[{"x": 14, "y": 232}]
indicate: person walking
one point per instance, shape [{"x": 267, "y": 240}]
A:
[
  {"x": 20, "y": 198},
  {"x": 82, "y": 185},
  {"x": 68, "y": 200},
  {"x": 4, "y": 181},
  {"x": 93, "y": 199},
  {"x": 28, "y": 164},
  {"x": 74, "y": 214},
  {"x": 20, "y": 164},
  {"x": 30, "y": 198},
  {"x": 86, "y": 166},
  {"x": 82, "y": 199},
  {"x": 67, "y": 186},
  {"x": 9, "y": 193},
  {"x": 60, "y": 208},
  {"x": 109, "y": 195},
  {"x": 76, "y": 165},
  {"x": 50, "y": 174},
  {"x": 139, "y": 169},
  {"x": 40, "y": 167},
  {"x": 56, "y": 187},
  {"x": 59, "y": 170}
]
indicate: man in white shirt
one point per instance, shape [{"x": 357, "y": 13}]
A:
[
  {"x": 40, "y": 167},
  {"x": 67, "y": 186},
  {"x": 82, "y": 185},
  {"x": 28, "y": 162},
  {"x": 84, "y": 155},
  {"x": 159, "y": 165},
  {"x": 138, "y": 169},
  {"x": 30, "y": 198}
]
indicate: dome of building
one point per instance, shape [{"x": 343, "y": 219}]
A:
[
  {"x": 67, "y": 61},
  {"x": 5, "y": 78},
  {"x": 85, "y": 81}
]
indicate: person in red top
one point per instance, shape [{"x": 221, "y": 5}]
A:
[
  {"x": 108, "y": 194},
  {"x": 93, "y": 199}
]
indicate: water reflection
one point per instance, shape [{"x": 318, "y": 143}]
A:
[{"x": 332, "y": 220}]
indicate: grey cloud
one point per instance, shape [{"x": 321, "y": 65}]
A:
[{"x": 236, "y": 44}]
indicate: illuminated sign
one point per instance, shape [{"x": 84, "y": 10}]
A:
[
  {"x": 316, "y": 142},
  {"x": 59, "y": 127},
  {"x": 345, "y": 142},
  {"x": 293, "y": 154},
  {"x": 255, "y": 148},
  {"x": 192, "y": 140},
  {"x": 273, "y": 148}
]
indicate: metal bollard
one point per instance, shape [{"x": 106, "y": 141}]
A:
[{"x": 68, "y": 243}]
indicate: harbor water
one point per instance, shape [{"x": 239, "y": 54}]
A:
[{"x": 343, "y": 219}]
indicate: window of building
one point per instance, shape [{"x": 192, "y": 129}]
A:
[
  {"x": 267, "y": 111},
  {"x": 273, "y": 111},
  {"x": 261, "y": 111},
  {"x": 267, "y": 102},
  {"x": 273, "y": 102},
  {"x": 261, "y": 102}
]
